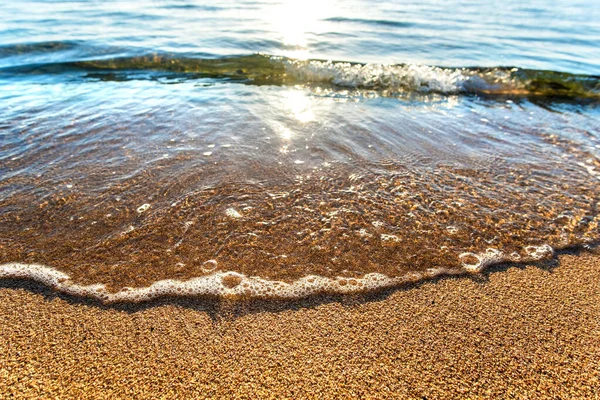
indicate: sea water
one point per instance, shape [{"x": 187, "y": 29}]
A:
[{"x": 285, "y": 148}]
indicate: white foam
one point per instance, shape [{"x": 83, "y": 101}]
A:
[
  {"x": 233, "y": 213},
  {"x": 476, "y": 262},
  {"x": 143, "y": 208},
  {"x": 364, "y": 233},
  {"x": 389, "y": 238},
  {"x": 405, "y": 77},
  {"x": 421, "y": 78},
  {"x": 453, "y": 230},
  {"x": 482, "y": 260},
  {"x": 538, "y": 252},
  {"x": 220, "y": 284},
  {"x": 234, "y": 284}
]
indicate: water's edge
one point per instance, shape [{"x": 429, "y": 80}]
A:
[{"x": 233, "y": 285}]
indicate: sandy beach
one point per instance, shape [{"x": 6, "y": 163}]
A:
[{"x": 512, "y": 332}]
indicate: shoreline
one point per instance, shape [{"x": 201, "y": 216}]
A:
[
  {"x": 512, "y": 331},
  {"x": 237, "y": 286}
]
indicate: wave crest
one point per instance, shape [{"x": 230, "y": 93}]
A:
[
  {"x": 390, "y": 79},
  {"x": 410, "y": 77}
]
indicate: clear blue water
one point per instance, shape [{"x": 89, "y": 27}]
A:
[
  {"x": 533, "y": 34},
  {"x": 140, "y": 141}
]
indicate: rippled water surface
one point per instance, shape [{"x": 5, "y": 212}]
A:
[{"x": 286, "y": 148}]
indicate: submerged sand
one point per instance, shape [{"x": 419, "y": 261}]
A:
[{"x": 512, "y": 332}]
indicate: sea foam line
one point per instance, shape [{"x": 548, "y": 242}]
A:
[
  {"x": 232, "y": 284},
  {"x": 409, "y": 77}
]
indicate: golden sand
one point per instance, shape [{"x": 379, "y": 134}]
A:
[{"x": 530, "y": 332}]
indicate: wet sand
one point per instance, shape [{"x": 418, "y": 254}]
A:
[{"x": 512, "y": 332}]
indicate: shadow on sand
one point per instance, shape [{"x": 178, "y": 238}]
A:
[{"x": 227, "y": 309}]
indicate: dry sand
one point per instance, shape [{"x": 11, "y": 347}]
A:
[{"x": 526, "y": 332}]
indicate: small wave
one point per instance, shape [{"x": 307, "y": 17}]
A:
[
  {"x": 382, "y": 22},
  {"x": 418, "y": 78},
  {"x": 232, "y": 284},
  {"x": 431, "y": 79},
  {"x": 35, "y": 48},
  {"x": 388, "y": 79}
]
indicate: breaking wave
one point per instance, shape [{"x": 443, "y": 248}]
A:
[{"x": 262, "y": 69}]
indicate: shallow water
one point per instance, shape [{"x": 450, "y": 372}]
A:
[{"x": 142, "y": 143}]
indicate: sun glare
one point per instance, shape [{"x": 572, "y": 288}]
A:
[
  {"x": 299, "y": 105},
  {"x": 296, "y": 21}
]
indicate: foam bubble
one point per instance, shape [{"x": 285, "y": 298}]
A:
[
  {"x": 453, "y": 230},
  {"x": 470, "y": 261},
  {"x": 364, "y": 233},
  {"x": 233, "y": 213},
  {"x": 143, "y": 208},
  {"x": 539, "y": 252},
  {"x": 476, "y": 262},
  {"x": 209, "y": 266},
  {"x": 389, "y": 238}
]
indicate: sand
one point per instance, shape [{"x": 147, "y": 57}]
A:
[{"x": 512, "y": 332}]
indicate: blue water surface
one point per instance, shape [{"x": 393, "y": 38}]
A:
[{"x": 560, "y": 36}]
